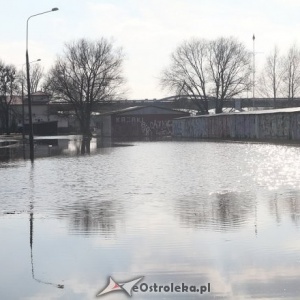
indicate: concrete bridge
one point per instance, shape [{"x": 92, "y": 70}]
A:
[{"x": 184, "y": 102}]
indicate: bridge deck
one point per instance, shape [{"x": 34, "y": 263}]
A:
[{"x": 183, "y": 103}]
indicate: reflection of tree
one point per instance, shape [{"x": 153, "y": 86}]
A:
[
  {"x": 90, "y": 217},
  {"x": 11, "y": 150},
  {"x": 233, "y": 208},
  {"x": 274, "y": 208},
  {"x": 224, "y": 211},
  {"x": 230, "y": 210},
  {"x": 294, "y": 207},
  {"x": 45, "y": 147},
  {"x": 287, "y": 202}
]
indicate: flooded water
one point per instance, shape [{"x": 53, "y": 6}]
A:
[{"x": 224, "y": 216}]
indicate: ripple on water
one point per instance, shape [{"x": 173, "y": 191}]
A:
[{"x": 222, "y": 212}]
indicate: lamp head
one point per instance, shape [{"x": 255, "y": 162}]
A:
[{"x": 54, "y": 9}]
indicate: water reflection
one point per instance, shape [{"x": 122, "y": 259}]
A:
[
  {"x": 62, "y": 145},
  {"x": 9, "y": 152},
  {"x": 89, "y": 217},
  {"x": 169, "y": 211},
  {"x": 45, "y": 146},
  {"x": 31, "y": 219},
  {"x": 31, "y": 230},
  {"x": 285, "y": 204},
  {"x": 226, "y": 210}
]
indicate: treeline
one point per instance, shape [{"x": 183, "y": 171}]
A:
[
  {"x": 280, "y": 76},
  {"x": 89, "y": 72},
  {"x": 223, "y": 68},
  {"x": 12, "y": 83}
]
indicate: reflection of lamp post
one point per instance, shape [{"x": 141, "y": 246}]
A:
[
  {"x": 60, "y": 286},
  {"x": 23, "y": 109},
  {"x": 31, "y": 219},
  {"x": 28, "y": 86}
]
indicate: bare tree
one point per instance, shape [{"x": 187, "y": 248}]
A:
[
  {"x": 291, "y": 78},
  {"x": 208, "y": 70},
  {"x": 187, "y": 74},
  {"x": 88, "y": 73},
  {"x": 36, "y": 76},
  {"x": 229, "y": 70},
  {"x": 8, "y": 86},
  {"x": 271, "y": 78}
]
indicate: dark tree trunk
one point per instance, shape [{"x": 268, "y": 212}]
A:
[
  {"x": 86, "y": 136},
  {"x": 219, "y": 106},
  {"x": 86, "y": 144},
  {"x": 7, "y": 129}
]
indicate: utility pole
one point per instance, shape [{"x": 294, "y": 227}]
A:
[
  {"x": 253, "y": 72},
  {"x": 31, "y": 146}
]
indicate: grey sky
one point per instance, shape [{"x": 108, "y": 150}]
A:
[{"x": 148, "y": 30}]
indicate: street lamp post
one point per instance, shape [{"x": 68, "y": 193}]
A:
[
  {"x": 253, "y": 80},
  {"x": 23, "y": 104},
  {"x": 28, "y": 86}
]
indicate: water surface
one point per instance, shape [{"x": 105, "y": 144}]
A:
[{"x": 227, "y": 214}]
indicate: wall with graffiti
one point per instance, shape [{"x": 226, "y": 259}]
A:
[
  {"x": 280, "y": 124},
  {"x": 142, "y": 126},
  {"x": 139, "y": 122}
]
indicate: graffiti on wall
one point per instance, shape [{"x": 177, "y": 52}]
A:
[
  {"x": 279, "y": 125},
  {"x": 147, "y": 126}
]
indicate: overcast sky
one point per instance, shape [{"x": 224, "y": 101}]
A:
[{"x": 147, "y": 30}]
